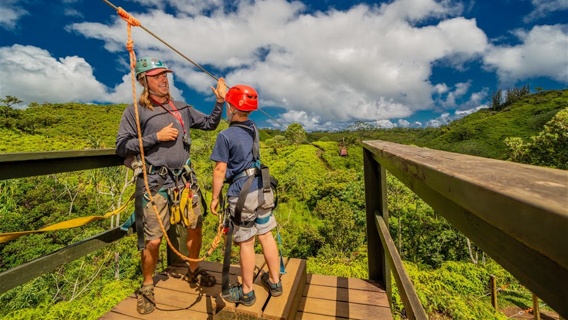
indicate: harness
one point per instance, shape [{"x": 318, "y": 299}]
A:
[
  {"x": 179, "y": 196},
  {"x": 268, "y": 183},
  {"x": 250, "y": 174}
]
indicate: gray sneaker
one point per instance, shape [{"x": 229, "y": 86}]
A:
[
  {"x": 275, "y": 289},
  {"x": 236, "y": 295},
  {"x": 145, "y": 299}
]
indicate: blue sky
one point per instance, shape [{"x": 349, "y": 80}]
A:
[{"x": 324, "y": 64}]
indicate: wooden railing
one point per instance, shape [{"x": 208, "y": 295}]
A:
[
  {"x": 516, "y": 213},
  {"x": 20, "y": 165}
]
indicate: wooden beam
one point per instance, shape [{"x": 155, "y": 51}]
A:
[
  {"x": 25, "y": 272},
  {"x": 412, "y": 304},
  {"x": 516, "y": 213},
  {"x": 20, "y": 165}
]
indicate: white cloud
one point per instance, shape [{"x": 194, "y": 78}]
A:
[
  {"x": 542, "y": 8},
  {"x": 360, "y": 64},
  {"x": 543, "y": 52},
  {"x": 367, "y": 63},
  {"x": 384, "y": 124},
  {"x": 308, "y": 122},
  {"x": 446, "y": 117},
  {"x": 10, "y": 12},
  {"x": 403, "y": 123},
  {"x": 193, "y": 7},
  {"x": 443, "y": 119},
  {"x": 32, "y": 67}
]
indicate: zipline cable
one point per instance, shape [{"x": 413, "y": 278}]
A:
[
  {"x": 126, "y": 16},
  {"x": 122, "y": 11}
]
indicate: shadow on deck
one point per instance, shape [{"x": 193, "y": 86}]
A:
[{"x": 305, "y": 297}]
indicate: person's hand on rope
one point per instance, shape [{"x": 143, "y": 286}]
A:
[
  {"x": 168, "y": 133},
  {"x": 221, "y": 90}
]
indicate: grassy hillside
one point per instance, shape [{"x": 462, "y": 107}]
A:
[
  {"x": 45, "y": 127},
  {"x": 69, "y": 126},
  {"x": 483, "y": 133}
]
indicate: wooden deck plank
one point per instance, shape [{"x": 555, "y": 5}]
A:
[
  {"x": 346, "y": 295},
  {"x": 342, "y": 309},
  {"x": 317, "y": 297},
  {"x": 342, "y": 282},
  {"x": 127, "y": 310},
  {"x": 283, "y": 307},
  {"x": 312, "y": 316}
]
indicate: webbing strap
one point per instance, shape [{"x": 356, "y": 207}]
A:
[
  {"x": 265, "y": 180},
  {"x": 241, "y": 200},
  {"x": 227, "y": 261},
  {"x": 139, "y": 211}
]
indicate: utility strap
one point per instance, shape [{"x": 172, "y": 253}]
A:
[
  {"x": 279, "y": 238},
  {"x": 242, "y": 197},
  {"x": 139, "y": 210},
  {"x": 227, "y": 261}
]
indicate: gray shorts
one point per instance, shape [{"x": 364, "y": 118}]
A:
[
  {"x": 152, "y": 229},
  {"x": 253, "y": 211}
]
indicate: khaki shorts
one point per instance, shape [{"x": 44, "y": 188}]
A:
[
  {"x": 252, "y": 211},
  {"x": 152, "y": 229}
]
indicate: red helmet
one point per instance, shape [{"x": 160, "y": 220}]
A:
[{"x": 242, "y": 97}]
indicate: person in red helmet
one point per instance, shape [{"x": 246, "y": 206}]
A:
[{"x": 236, "y": 153}]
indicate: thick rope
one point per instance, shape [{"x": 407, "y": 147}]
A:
[{"x": 131, "y": 21}]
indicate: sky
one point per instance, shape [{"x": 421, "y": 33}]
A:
[{"x": 324, "y": 64}]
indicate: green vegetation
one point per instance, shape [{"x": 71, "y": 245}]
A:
[{"x": 321, "y": 205}]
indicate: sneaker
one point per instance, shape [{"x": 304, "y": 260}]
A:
[
  {"x": 275, "y": 289},
  {"x": 145, "y": 299},
  {"x": 236, "y": 295}
]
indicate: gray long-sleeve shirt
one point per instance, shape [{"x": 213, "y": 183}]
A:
[{"x": 172, "y": 154}]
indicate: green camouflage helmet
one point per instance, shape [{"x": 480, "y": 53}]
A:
[{"x": 148, "y": 64}]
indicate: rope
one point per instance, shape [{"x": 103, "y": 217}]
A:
[{"x": 131, "y": 21}]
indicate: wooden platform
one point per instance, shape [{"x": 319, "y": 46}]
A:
[{"x": 305, "y": 297}]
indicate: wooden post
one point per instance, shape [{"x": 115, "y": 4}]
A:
[
  {"x": 375, "y": 204},
  {"x": 493, "y": 283},
  {"x": 536, "y": 309}
]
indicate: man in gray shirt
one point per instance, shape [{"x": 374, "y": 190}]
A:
[{"x": 165, "y": 125}]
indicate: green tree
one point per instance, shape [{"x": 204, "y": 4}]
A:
[
  {"x": 295, "y": 133},
  {"x": 9, "y": 101},
  {"x": 496, "y": 100},
  {"x": 548, "y": 148}
]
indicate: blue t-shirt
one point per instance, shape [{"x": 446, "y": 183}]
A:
[{"x": 234, "y": 147}]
